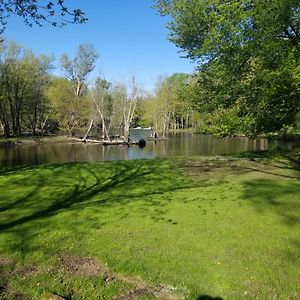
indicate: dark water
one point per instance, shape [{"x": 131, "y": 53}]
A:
[{"x": 180, "y": 144}]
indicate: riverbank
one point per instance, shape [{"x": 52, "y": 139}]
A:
[
  {"x": 181, "y": 144},
  {"x": 32, "y": 140},
  {"x": 279, "y": 136},
  {"x": 180, "y": 229}
]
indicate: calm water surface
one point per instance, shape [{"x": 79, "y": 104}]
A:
[{"x": 180, "y": 144}]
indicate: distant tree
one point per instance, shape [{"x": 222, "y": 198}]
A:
[
  {"x": 23, "y": 77},
  {"x": 62, "y": 105},
  {"x": 78, "y": 68},
  {"x": 163, "y": 106},
  {"x": 104, "y": 105},
  {"x": 146, "y": 111},
  {"x": 127, "y": 98},
  {"x": 37, "y": 106},
  {"x": 77, "y": 71},
  {"x": 39, "y": 12},
  {"x": 129, "y": 103},
  {"x": 171, "y": 106}
]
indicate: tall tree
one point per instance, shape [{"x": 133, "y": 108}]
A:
[
  {"x": 248, "y": 54},
  {"x": 171, "y": 108},
  {"x": 210, "y": 29},
  {"x": 77, "y": 71},
  {"x": 22, "y": 78},
  {"x": 127, "y": 97},
  {"x": 62, "y": 105},
  {"x": 104, "y": 105},
  {"x": 37, "y": 106}
]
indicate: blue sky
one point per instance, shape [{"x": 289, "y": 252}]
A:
[{"x": 129, "y": 35}]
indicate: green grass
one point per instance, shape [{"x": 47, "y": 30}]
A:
[{"x": 199, "y": 226}]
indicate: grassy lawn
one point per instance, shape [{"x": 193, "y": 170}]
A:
[{"x": 168, "y": 229}]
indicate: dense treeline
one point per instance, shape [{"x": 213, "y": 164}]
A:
[
  {"x": 248, "y": 78},
  {"x": 170, "y": 107},
  {"x": 23, "y": 79},
  {"x": 35, "y": 102}
]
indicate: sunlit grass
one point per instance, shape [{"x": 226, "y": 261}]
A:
[{"x": 218, "y": 227}]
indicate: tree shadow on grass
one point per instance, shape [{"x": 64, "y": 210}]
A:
[
  {"x": 281, "y": 197},
  {"x": 292, "y": 158},
  {"x": 58, "y": 188}
]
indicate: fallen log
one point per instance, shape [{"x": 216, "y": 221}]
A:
[
  {"x": 141, "y": 142},
  {"x": 88, "y": 141}
]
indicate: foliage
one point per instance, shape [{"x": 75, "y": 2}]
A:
[
  {"x": 23, "y": 79},
  {"x": 78, "y": 68},
  {"x": 212, "y": 29},
  {"x": 170, "y": 107},
  {"x": 70, "y": 113},
  {"x": 106, "y": 107},
  {"x": 38, "y": 12},
  {"x": 222, "y": 122},
  {"x": 31, "y": 100},
  {"x": 127, "y": 97},
  {"x": 248, "y": 54},
  {"x": 77, "y": 71},
  {"x": 146, "y": 111}
]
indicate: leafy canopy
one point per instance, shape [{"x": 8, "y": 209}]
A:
[
  {"x": 248, "y": 54},
  {"x": 207, "y": 29}
]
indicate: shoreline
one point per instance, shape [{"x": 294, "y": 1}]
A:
[{"x": 32, "y": 140}]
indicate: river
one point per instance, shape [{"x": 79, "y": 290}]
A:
[{"x": 178, "y": 144}]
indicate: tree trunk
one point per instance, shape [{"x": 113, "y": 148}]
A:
[
  {"x": 34, "y": 120},
  {"x": 187, "y": 121},
  {"x": 88, "y": 131},
  {"x": 43, "y": 125},
  {"x": 126, "y": 133},
  {"x": 6, "y": 129},
  {"x": 105, "y": 132}
]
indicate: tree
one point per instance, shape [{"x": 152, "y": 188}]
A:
[
  {"x": 37, "y": 106},
  {"x": 210, "y": 29},
  {"x": 78, "y": 68},
  {"x": 104, "y": 105},
  {"x": 77, "y": 71},
  {"x": 164, "y": 106},
  {"x": 171, "y": 108},
  {"x": 23, "y": 77},
  {"x": 39, "y": 12},
  {"x": 69, "y": 113},
  {"x": 127, "y": 97},
  {"x": 248, "y": 54}
]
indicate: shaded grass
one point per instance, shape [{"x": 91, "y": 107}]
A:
[{"x": 215, "y": 226}]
